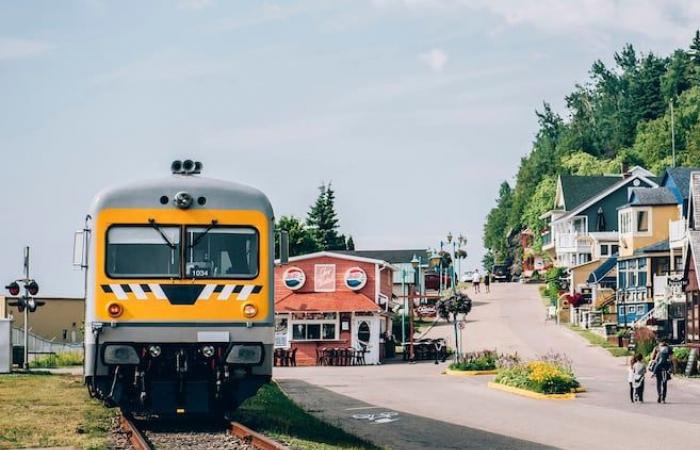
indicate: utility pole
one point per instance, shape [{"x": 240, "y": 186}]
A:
[
  {"x": 26, "y": 310},
  {"x": 673, "y": 137}
]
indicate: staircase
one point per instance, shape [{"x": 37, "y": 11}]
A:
[{"x": 642, "y": 321}]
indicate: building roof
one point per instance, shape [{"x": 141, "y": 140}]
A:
[
  {"x": 340, "y": 255},
  {"x": 694, "y": 244},
  {"x": 652, "y": 197},
  {"x": 657, "y": 247},
  {"x": 391, "y": 256},
  {"x": 681, "y": 178},
  {"x": 326, "y": 302},
  {"x": 578, "y": 188}
]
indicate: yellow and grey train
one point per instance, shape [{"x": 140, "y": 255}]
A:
[{"x": 179, "y": 294}]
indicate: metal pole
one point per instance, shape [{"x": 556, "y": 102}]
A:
[
  {"x": 403, "y": 311},
  {"x": 673, "y": 136},
  {"x": 26, "y": 309}
]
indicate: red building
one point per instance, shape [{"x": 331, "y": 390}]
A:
[{"x": 332, "y": 300}]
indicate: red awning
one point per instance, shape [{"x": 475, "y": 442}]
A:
[{"x": 326, "y": 302}]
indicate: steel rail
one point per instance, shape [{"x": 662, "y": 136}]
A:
[
  {"x": 255, "y": 439},
  {"x": 136, "y": 438}
]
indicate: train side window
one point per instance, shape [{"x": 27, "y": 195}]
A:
[
  {"x": 142, "y": 252},
  {"x": 222, "y": 252}
]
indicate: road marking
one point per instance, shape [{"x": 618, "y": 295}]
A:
[{"x": 363, "y": 407}]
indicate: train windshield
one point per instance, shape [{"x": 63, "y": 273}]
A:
[
  {"x": 221, "y": 252},
  {"x": 143, "y": 252}
]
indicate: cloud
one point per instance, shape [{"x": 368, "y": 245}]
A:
[
  {"x": 12, "y": 48},
  {"x": 435, "y": 59},
  {"x": 668, "y": 19},
  {"x": 165, "y": 67},
  {"x": 193, "y": 4}
]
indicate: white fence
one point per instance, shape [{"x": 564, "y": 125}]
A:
[{"x": 37, "y": 344}]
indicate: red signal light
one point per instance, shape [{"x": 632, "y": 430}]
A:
[
  {"x": 13, "y": 288},
  {"x": 33, "y": 288},
  {"x": 115, "y": 310}
]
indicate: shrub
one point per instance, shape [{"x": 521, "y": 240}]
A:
[
  {"x": 680, "y": 358},
  {"x": 644, "y": 340},
  {"x": 61, "y": 359},
  {"x": 484, "y": 360},
  {"x": 551, "y": 374}
]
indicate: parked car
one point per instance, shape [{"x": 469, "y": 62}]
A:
[
  {"x": 467, "y": 277},
  {"x": 501, "y": 273}
]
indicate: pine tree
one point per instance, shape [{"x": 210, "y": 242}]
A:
[
  {"x": 695, "y": 48},
  {"x": 323, "y": 220},
  {"x": 302, "y": 240},
  {"x": 350, "y": 244}
]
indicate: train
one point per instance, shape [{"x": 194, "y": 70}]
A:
[{"x": 179, "y": 316}]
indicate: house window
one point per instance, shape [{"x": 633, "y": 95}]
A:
[
  {"x": 579, "y": 224},
  {"x": 615, "y": 249},
  {"x": 642, "y": 221},
  {"x": 314, "y": 326},
  {"x": 604, "y": 250},
  {"x": 324, "y": 277}
]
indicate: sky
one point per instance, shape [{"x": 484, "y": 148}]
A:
[{"x": 415, "y": 110}]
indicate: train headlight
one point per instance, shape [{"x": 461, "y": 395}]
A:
[
  {"x": 250, "y": 310},
  {"x": 154, "y": 351},
  {"x": 208, "y": 351},
  {"x": 120, "y": 354},
  {"x": 115, "y": 310},
  {"x": 248, "y": 354},
  {"x": 183, "y": 200}
]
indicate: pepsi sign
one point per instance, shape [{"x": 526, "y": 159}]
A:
[
  {"x": 294, "y": 278},
  {"x": 355, "y": 278}
]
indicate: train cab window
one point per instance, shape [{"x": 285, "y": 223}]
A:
[
  {"x": 143, "y": 252},
  {"x": 221, "y": 252}
]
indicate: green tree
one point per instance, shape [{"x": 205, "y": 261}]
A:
[
  {"x": 350, "y": 244},
  {"x": 323, "y": 220},
  {"x": 301, "y": 238}
]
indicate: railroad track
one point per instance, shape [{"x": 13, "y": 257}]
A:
[{"x": 233, "y": 436}]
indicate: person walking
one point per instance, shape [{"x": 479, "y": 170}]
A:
[
  {"x": 630, "y": 376},
  {"x": 638, "y": 372},
  {"x": 661, "y": 368},
  {"x": 476, "y": 281},
  {"x": 487, "y": 281}
]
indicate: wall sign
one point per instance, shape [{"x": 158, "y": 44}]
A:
[
  {"x": 294, "y": 278},
  {"x": 355, "y": 278}
]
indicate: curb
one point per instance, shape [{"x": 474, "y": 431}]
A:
[
  {"x": 468, "y": 373},
  {"x": 530, "y": 394}
]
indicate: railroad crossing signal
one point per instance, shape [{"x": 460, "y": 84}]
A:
[{"x": 31, "y": 288}]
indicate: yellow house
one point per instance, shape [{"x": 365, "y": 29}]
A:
[{"x": 643, "y": 264}]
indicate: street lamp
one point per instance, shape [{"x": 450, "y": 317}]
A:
[{"x": 416, "y": 264}]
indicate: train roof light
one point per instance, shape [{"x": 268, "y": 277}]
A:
[{"x": 186, "y": 167}]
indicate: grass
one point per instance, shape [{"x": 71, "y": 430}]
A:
[
  {"x": 51, "y": 411},
  {"x": 600, "y": 341},
  {"x": 272, "y": 413},
  {"x": 62, "y": 359}
]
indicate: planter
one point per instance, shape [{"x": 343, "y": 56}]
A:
[
  {"x": 531, "y": 394},
  {"x": 468, "y": 373}
]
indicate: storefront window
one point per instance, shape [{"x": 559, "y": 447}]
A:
[{"x": 315, "y": 326}]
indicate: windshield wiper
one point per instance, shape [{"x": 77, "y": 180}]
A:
[
  {"x": 160, "y": 230},
  {"x": 204, "y": 233}
]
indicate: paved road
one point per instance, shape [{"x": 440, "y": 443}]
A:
[{"x": 511, "y": 318}]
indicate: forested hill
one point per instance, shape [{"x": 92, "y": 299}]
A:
[{"x": 620, "y": 117}]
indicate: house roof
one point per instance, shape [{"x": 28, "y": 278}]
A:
[
  {"x": 652, "y": 197},
  {"x": 340, "y": 255},
  {"x": 391, "y": 256},
  {"x": 578, "y": 188},
  {"x": 681, "y": 178},
  {"x": 657, "y": 247},
  {"x": 694, "y": 244},
  {"x": 619, "y": 183},
  {"x": 326, "y": 302}
]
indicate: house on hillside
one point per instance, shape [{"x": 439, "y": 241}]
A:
[
  {"x": 691, "y": 272},
  {"x": 644, "y": 263},
  {"x": 333, "y": 300},
  {"x": 583, "y": 223}
]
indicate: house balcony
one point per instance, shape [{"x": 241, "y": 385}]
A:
[
  {"x": 676, "y": 233},
  {"x": 574, "y": 243}
]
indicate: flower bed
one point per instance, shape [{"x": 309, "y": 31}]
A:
[
  {"x": 552, "y": 374},
  {"x": 483, "y": 360}
]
